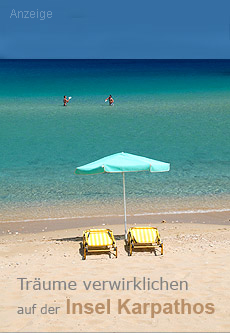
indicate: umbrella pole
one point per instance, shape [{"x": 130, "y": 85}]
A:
[{"x": 124, "y": 205}]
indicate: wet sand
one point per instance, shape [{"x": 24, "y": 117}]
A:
[{"x": 222, "y": 218}]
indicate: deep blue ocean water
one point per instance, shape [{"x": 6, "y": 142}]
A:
[{"x": 174, "y": 111}]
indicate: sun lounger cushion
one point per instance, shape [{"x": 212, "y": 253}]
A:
[
  {"x": 101, "y": 238},
  {"x": 145, "y": 235}
]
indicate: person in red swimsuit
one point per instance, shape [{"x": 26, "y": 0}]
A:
[
  {"x": 65, "y": 100},
  {"x": 111, "y": 101}
]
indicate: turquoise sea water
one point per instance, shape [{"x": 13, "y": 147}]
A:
[{"x": 173, "y": 111}]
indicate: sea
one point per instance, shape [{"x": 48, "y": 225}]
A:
[{"x": 175, "y": 111}]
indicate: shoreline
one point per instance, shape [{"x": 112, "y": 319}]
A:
[
  {"x": 94, "y": 209},
  {"x": 42, "y": 226}
]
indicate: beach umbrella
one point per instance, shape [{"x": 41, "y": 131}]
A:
[{"x": 122, "y": 163}]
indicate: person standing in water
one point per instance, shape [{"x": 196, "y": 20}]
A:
[
  {"x": 110, "y": 98},
  {"x": 65, "y": 100}
]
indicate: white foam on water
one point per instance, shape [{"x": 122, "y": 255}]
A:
[{"x": 198, "y": 211}]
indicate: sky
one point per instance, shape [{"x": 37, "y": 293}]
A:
[{"x": 99, "y": 29}]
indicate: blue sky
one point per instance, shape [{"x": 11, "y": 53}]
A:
[{"x": 162, "y": 29}]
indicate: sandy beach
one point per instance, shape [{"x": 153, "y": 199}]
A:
[{"x": 196, "y": 250}]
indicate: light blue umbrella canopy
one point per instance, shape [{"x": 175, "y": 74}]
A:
[{"x": 122, "y": 163}]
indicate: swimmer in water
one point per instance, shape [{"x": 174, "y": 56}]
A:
[
  {"x": 111, "y": 101},
  {"x": 65, "y": 100}
]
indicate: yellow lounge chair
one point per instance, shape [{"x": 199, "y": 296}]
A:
[
  {"x": 144, "y": 238},
  {"x": 99, "y": 240}
]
